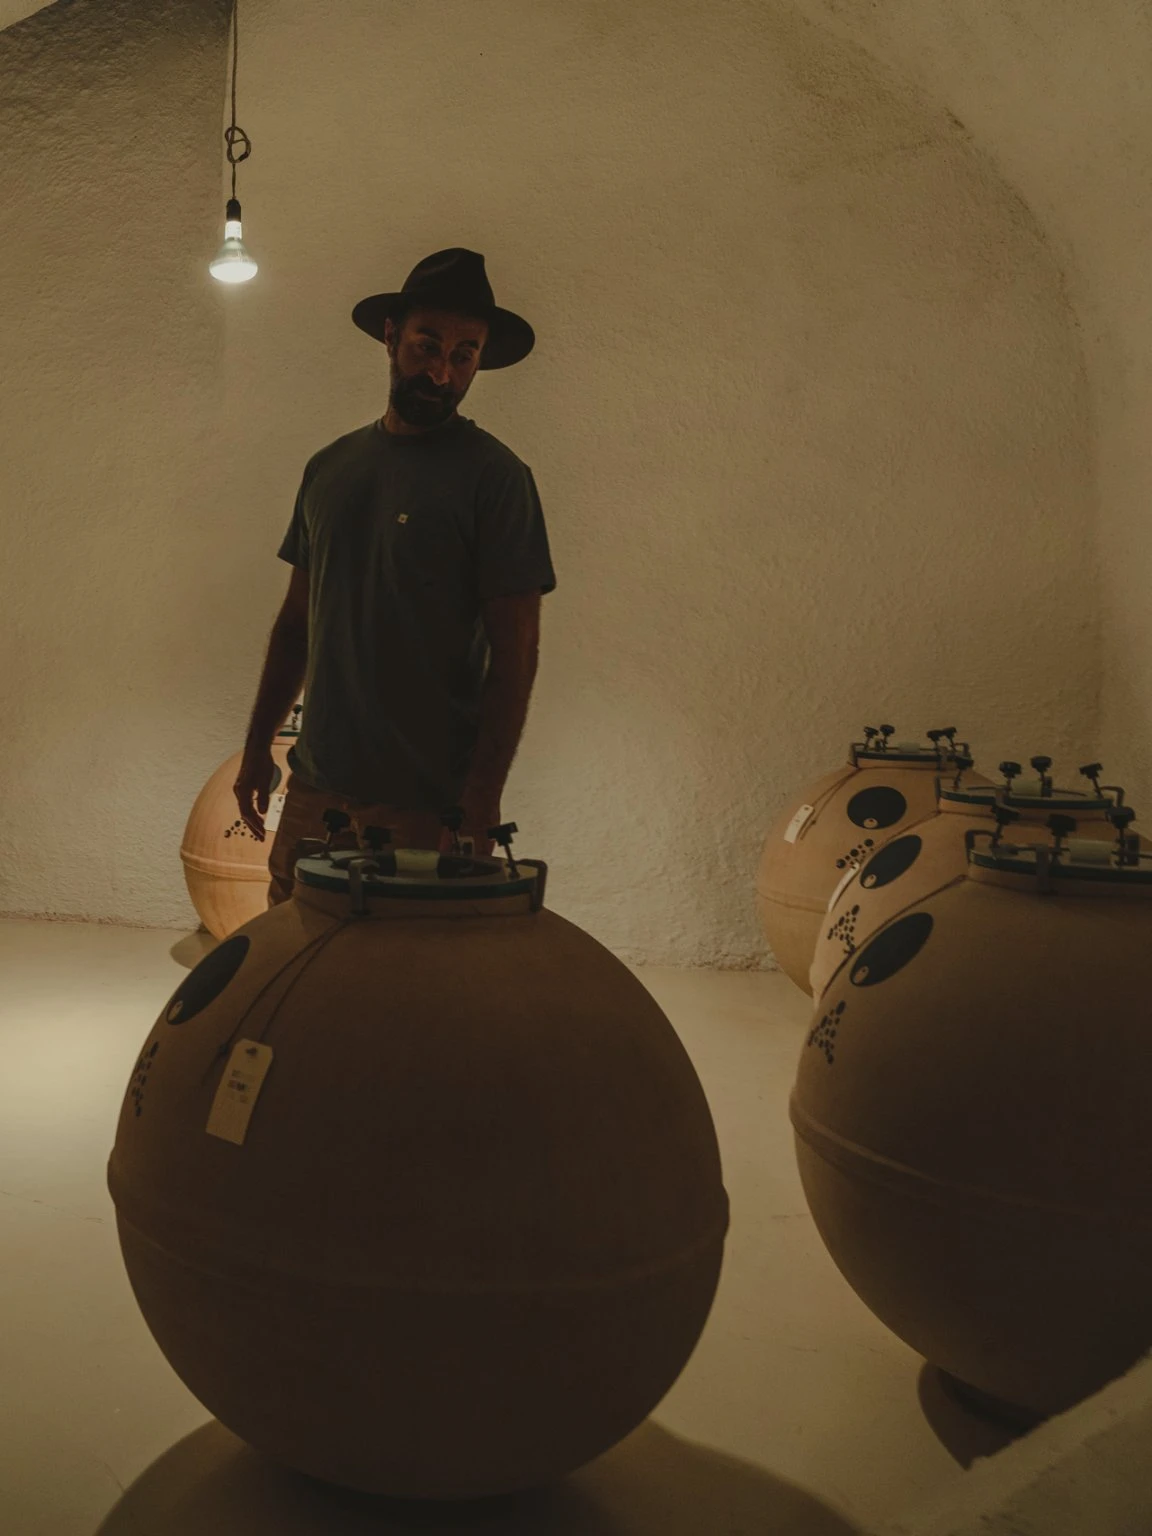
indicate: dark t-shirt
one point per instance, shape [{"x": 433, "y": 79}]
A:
[{"x": 403, "y": 538}]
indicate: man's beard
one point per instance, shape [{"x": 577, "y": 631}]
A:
[{"x": 412, "y": 408}]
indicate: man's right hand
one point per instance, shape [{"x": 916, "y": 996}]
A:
[{"x": 252, "y": 788}]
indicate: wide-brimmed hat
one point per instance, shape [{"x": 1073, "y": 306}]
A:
[{"x": 455, "y": 280}]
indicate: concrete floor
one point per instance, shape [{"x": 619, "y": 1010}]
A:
[{"x": 798, "y": 1413}]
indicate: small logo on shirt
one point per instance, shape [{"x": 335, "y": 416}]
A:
[{"x": 403, "y": 518}]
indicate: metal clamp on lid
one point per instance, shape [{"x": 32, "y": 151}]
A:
[
  {"x": 878, "y": 746},
  {"x": 419, "y": 874},
  {"x": 1042, "y": 793},
  {"x": 1086, "y": 863},
  {"x": 1127, "y": 843}
]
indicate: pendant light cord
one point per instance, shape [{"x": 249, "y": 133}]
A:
[{"x": 232, "y": 134}]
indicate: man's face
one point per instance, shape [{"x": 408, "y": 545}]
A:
[{"x": 433, "y": 361}]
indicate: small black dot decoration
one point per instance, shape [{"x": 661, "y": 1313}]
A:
[
  {"x": 855, "y": 856},
  {"x": 823, "y": 1036},
  {"x": 140, "y": 1077},
  {"x": 843, "y": 930}
]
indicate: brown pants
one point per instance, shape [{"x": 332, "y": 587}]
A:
[{"x": 302, "y": 815}]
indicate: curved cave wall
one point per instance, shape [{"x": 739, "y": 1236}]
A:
[{"x": 808, "y": 412}]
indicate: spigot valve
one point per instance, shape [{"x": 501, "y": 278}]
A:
[
  {"x": 502, "y": 835},
  {"x": 377, "y": 838},
  {"x": 1092, "y": 772},
  {"x": 1003, "y": 818},
  {"x": 336, "y": 821},
  {"x": 1061, "y": 827},
  {"x": 963, "y": 763},
  {"x": 453, "y": 819},
  {"x": 1127, "y": 843}
]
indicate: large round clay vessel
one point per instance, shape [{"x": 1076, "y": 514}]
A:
[
  {"x": 929, "y": 853},
  {"x": 827, "y": 833},
  {"x": 973, "y": 1118},
  {"x": 473, "y": 1225},
  {"x": 225, "y": 867}
]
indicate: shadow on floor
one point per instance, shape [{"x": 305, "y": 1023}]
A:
[
  {"x": 191, "y": 949},
  {"x": 965, "y": 1434},
  {"x": 651, "y": 1484}
]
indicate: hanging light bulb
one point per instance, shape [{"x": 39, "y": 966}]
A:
[{"x": 232, "y": 263}]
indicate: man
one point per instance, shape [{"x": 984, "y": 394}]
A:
[{"x": 419, "y": 557}]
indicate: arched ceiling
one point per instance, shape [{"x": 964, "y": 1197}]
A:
[
  {"x": 1055, "y": 91},
  {"x": 12, "y": 11}
]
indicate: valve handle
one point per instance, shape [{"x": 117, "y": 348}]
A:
[
  {"x": 1042, "y": 765},
  {"x": 1004, "y": 817},
  {"x": 886, "y": 731},
  {"x": 336, "y": 821},
  {"x": 1061, "y": 827},
  {"x": 502, "y": 834},
  {"x": 453, "y": 819},
  {"x": 1010, "y": 770},
  {"x": 377, "y": 838},
  {"x": 963, "y": 763}
]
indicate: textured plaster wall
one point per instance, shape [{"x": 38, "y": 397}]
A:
[
  {"x": 808, "y": 413},
  {"x": 1056, "y": 92},
  {"x": 110, "y": 372}
]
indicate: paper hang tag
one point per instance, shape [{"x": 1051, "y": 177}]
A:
[
  {"x": 275, "y": 811},
  {"x": 794, "y": 828},
  {"x": 238, "y": 1091}
]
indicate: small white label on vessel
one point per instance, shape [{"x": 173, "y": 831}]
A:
[
  {"x": 798, "y": 822},
  {"x": 275, "y": 811},
  {"x": 238, "y": 1091}
]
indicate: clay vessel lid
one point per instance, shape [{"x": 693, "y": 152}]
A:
[
  {"x": 1080, "y": 867},
  {"x": 940, "y": 749},
  {"x": 417, "y": 874}
]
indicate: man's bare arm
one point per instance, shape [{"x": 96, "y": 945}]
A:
[
  {"x": 279, "y": 688},
  {"x": 512, "y": 625}
]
